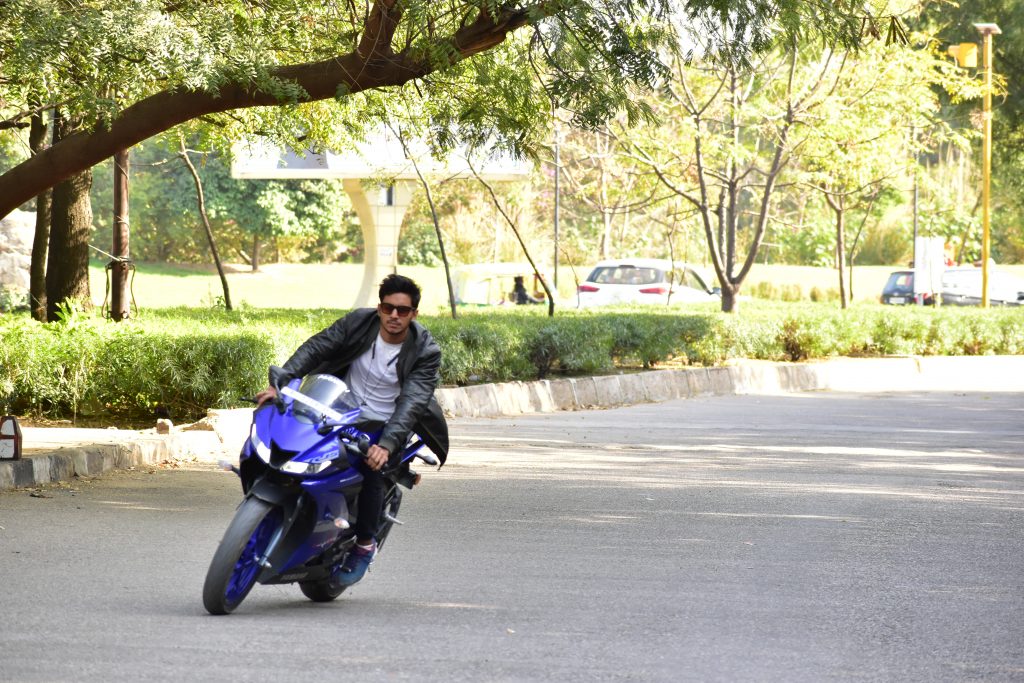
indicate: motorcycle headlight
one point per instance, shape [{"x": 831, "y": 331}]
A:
[
  {"x": 262, "y": 449},
  {"x": 293, "y": 467}
]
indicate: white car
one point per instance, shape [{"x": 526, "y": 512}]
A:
[
  {"x": 643, "y": 281},
  {"x": 962, "y": 287}
]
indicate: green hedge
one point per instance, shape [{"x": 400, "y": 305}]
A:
[{"x": 181, "y": 361}]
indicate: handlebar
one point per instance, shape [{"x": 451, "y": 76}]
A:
[{"x": 279, "y": 377}]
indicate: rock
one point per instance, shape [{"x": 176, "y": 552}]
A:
[
  {"x": 204, "y": 425},
  {"x": 164, "y": 426},
  {"x": 17, "y": 230}
]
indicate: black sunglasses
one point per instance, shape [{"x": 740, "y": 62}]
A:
[{"x": 388, "y": 309}]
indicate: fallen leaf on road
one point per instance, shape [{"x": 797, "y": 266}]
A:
[{"x": 39, "y": 494}]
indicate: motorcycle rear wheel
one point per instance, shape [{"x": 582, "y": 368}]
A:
[
  {"x": 328, "y": 589},
  {"x": 234, "y": 567},
  {"x": 321, "y": 591}
]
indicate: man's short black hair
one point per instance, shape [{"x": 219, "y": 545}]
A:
[{"x": 400, "y": 284}]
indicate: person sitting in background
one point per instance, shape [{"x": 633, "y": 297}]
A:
[{"x": 519, "y": 293}]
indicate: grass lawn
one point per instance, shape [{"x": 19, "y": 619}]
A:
[
  {"x": 312, "y": 286},
  {"x": 283, "y": 285}
]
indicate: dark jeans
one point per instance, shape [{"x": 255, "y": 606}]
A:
[{"x": 370, "y": 506}]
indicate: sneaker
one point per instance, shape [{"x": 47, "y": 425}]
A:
[{"x": 353, "y": 569}]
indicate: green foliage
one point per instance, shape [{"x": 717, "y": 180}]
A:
[
  {"x": 813, "y": 244},
  {"x": 481, "y": 348},
  {"x": 885, "y": 245},
  {"x": 82, "y": 365},
  {"x": 182, "y": 361},
  {"x": 182, "y": 374},
  {"x": 638, "y": 339},
  {"x": 561, "y": 344},
  {"x": 306, "y": 216},
  {"x": 12, "y": 299},
  {"x": 818, "y": 295},
  {"x": 418, "y": 244},
  {"x": 772, "y": 292}
]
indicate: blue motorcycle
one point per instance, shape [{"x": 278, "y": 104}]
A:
[{"x": 300, "y": 477}]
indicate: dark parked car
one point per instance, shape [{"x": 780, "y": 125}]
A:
[
  {"x": 960, "y": 287},
  {"x": 899, "y": 289}
]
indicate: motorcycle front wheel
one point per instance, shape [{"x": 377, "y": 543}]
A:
[{"x": 234, "y": 567}]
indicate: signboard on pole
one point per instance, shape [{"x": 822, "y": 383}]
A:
[
  {"x": 10, "y": 438},
  {"x": 929, "y": 264}
]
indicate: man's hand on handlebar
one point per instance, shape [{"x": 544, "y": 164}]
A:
[
  {"x": 376, "y": 457},
  {"x": 268, "y": 394}
]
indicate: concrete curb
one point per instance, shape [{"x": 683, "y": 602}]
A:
[
  {"x": 222, "y": 432},
  {"x": 80, "y": 458},
  {"x": 910, "y": 373}
]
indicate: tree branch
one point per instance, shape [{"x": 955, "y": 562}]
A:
[{"x": 322, "y": 80}]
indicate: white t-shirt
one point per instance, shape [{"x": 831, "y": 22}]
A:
[{"x": 373, "y": 378}]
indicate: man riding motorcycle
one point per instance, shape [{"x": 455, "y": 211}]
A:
[{"x": 392, "y": 365}]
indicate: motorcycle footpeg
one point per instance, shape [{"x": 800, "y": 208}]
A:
[
  {"x": 407, "y": 478},
  {"x": 228, "y": 467}
]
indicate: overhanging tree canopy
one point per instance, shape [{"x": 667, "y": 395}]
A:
[{"x": 139, "y": 67}]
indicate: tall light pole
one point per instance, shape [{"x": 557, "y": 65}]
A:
[
  {"x": 986, "y": 31},
  {"x": 556, "y": 149},
  {"x": 558, "y": 199}
]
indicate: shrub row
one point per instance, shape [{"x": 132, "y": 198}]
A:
[
  {"x": 126, "y": 371},
  {"x": 180, "y": 362},
  {"x": 792, "y": 292}
]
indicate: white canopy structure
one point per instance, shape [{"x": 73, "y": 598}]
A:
[{"x": 379, "y": 180}]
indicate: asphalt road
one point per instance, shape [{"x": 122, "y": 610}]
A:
[{"x": 803, "y": 538}]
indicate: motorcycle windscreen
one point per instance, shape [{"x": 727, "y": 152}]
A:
[{"x": 323, "y": 396}]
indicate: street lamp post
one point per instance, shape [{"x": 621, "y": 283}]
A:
[
  {"x": 986, "y": 31},
  {"x": 558, "y": 199}
]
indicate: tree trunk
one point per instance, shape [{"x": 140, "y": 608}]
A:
[
  {"x": 440, "y": 244},
  {"x": 519, "y": 237},
  {"x": 245, "y": 257},
  {"x": 120, "y": 266},
  {"x": 255, "y": 253},
  {"x": 604, "y": 150},
  {"x": 37, "y": 268},
  {"x": 672, "y": 259},
  {"x": 67, "y": 264},
  {"x": 201, "y": 201},
  {"x": 67, "y": 260},
  {"x": 730, "y": 301},
  {"x": 849, "y": 278},
  {"x": 433, "y": 216},
  {"x": 841, "y": 252},
  {"x": 856, "y": 240},
  {"x": 606, "y": 234}
]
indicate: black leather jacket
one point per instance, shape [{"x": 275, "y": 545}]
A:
[{"x": 334, "y": 349}]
